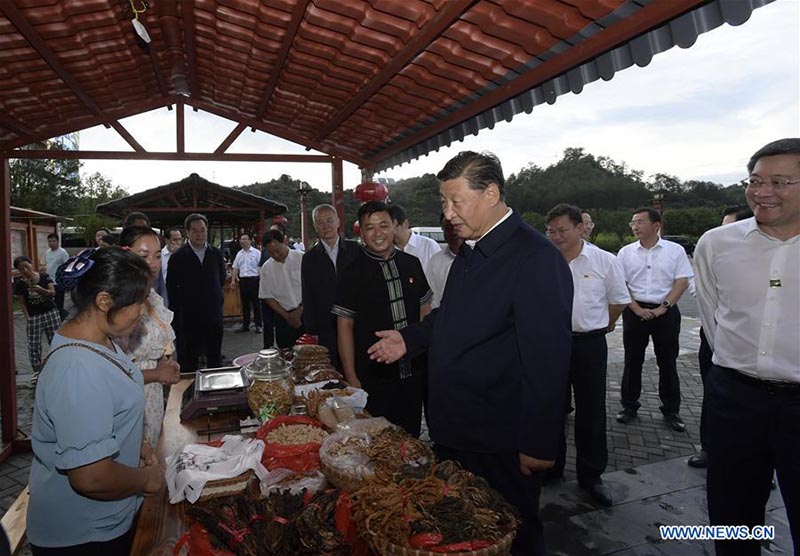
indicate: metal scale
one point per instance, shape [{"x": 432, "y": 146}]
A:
[{"x": 218, "y": 390}]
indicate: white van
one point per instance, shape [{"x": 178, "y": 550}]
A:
[{"x": 433, "y": 232}]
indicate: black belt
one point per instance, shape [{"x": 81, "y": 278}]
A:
[
  {"x": 248, "y": 277},
  {"x": 590, "y": 334},
  {"x": 772, "y": 386},
  {"x": 649, "y": 305}
]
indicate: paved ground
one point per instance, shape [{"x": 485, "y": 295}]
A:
[{"x": 647, "y": 474}]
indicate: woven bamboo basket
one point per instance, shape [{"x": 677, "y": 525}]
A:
[
  {"x": 226, "y": 487},
  {"x": 341, "y": 479},
  {"x": 500, "y": 548}
]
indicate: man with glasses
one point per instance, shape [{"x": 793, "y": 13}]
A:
[
  {"x": 748, "y": 291},
  {"x": 599, "y": 297},
  {"x": 657, "y": 272}
]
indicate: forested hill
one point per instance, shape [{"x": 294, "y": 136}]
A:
[{"x": 606, "y": 187}]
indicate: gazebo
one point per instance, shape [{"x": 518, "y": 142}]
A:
[
  {"x": 168, "y": 205},
  {"x": 376, "y": 83}
]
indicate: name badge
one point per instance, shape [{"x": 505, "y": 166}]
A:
[{"x": 775, "y": 283}]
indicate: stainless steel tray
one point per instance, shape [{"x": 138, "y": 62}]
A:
[{"x": 224, "y": 378}]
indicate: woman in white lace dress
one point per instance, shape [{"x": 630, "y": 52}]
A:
[{"x": 151, "y": 344}]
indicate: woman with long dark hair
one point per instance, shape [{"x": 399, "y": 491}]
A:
[
  {"x": 89, "y": 472},
  {"x": 150, "y": 344}
]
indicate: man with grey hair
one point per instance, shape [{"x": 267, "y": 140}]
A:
[
  {"x": 498, "y": 345},
  {"x": 321, "y": 267},
  {"x": 196, "y": 274}
]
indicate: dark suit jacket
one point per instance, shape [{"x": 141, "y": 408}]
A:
[
  {"x": 499, "y": 346},
  {"x": 319, "y": 279},
  {"x": 195, "y": 290}
]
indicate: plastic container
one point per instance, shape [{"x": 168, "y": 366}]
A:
[{"x": 271, "y": 390}]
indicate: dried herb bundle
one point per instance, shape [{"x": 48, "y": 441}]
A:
[
  {"x": 223, "y": 519},
  {"x": 453, "y": 504},
  {"x": 396, "y": 455},
  {"x": 316, "y": 529},
  {"x": 281, "y": 507}
]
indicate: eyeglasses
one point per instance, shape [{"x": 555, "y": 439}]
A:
[{"x": 776, "y": 184}]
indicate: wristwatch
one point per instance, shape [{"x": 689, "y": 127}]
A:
[{"x": 666, "y": 304}]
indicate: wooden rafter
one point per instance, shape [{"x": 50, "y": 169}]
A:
[
  {"x": 187, "y": 17},
  {"x": 283, "y": 53},
  {"x": 14, "y": 126},
  {"x": 438, "y": 25},
  {"x": 127, "y": 136},
  {"x": 36, "y": 41},
  {"x": 235, "y": 132},
  {"x": 156, "y": 65},
  {"x": 180, "y": 126},
  {"x": 150, "y": 155},
  {"x": 635, "y": 24}
]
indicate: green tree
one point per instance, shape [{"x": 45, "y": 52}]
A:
[{"x": 47, "y": 185}]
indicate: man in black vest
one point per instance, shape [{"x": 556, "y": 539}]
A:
[{"x": 195, "y": 276}]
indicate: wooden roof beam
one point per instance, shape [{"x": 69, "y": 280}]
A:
[
  {"x": 235, "y": 132},
  {"x": 451, "y": 12},
  {"x": 187, "y": 17},
  {"x": 36, "y": 41},
  {"x": 169, "y": 20},
  {"x": 127, "y": 136},
  {"x": 14, "y": 126},
  {"x": 283, "y": 53},
  {"x": 150, "y": 155},
  {"x": 641, "y": 21}
]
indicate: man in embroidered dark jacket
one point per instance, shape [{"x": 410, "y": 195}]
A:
[{"x": 498, "y": 345}]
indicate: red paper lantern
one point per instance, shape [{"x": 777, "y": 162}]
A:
[
  {"x": 356, "y": 229},
  {"x": 371, "y": 191}
]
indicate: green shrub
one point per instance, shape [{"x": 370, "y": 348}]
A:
[{"x": 608, "y": 241}]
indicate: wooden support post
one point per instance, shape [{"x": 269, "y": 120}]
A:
[
  {"x": 8, "y": 367},
  {"x": 337, "y": 171}
]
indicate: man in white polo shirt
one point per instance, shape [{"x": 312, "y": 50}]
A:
[
  {"x": 599, "y": 297},
  {"x": 246, "y": 274},
  {"x": 657, "y": 272},
  {"x": 407, "y": 241},
  {"x": 748, "y": 291},
  {"x": 281, "y": 288}
]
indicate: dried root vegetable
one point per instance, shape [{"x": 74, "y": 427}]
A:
[
  {"x": 316, "y": 529},
  {"x": 292, "y": 435},
  {"x": 433, "y": 509},
  {"x": 223, "y": 519},
  {"x": 317, "y": 397},
  {"x": 396, "y": 455}
]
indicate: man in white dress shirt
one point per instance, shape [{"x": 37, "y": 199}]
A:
[
  {"x": 748, "y": 291},
  {"x": 657, "y": 272},
  {"x": 439, "y": 266},
  {"x": 418, "y": 245},
  {"x": 281, "y": 288},
  {"x": 173, "y": 240},
  {"x": 599, "y": 297},
  {"x": 245, "y": 273}
]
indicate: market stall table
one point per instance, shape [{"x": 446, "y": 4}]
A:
[{"x": 160, "y": 524}]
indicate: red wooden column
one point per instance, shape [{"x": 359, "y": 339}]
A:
[
  {"x": 8, "y": 368},
  {"x": 338, "y": 191}
]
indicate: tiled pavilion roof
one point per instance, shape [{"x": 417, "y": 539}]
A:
[{"x": 374, "y": 82}]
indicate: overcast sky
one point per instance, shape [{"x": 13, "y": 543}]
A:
[{"x": 697, "y": 113}]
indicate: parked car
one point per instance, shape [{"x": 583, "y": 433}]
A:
[
  {"x": 683, "y": 241},
  {"x": 433, "y": 232}
]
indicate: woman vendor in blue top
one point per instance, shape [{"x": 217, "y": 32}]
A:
[{"x": 89, "y": 472}]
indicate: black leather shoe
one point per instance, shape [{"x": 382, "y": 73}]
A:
[
  {"x": 626, "y": 415},
  {"x": 242, "y": 330},
  {"x": 699, "y": 460},
  {"x": 675, "y": 422},
  {"x": 599, "y": 494}
]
